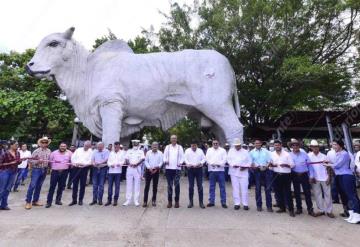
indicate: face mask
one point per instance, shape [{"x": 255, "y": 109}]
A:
[{"x": 271, "y": 148}]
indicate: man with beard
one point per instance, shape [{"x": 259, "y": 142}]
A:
[{"x": 59, "y": 163}]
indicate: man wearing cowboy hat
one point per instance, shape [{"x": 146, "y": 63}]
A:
[
  {"x": 134, "y": 158},
  {"x": 39, "y": 165},
  {"x": 239, "y": 161},
  {"x": 300, "y": 177},
  {"x": 320, "y": 180}
]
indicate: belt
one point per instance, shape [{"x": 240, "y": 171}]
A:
[
  {"x": 300, "y": 173},
  {"x": 281, "y": 173}
]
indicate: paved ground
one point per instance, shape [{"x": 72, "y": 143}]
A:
[{"x": 131, "y": 226}]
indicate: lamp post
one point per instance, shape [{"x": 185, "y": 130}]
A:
[{"x": 75, "y": 131}]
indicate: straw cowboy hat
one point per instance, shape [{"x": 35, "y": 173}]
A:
[
  {"x": 293, "y": 141},
  {"x": 44, "y": 139},
  {"x": 237, "y": 142},
  {"x": 314, "y": 143},
  {"x": 135, "y": 141}
]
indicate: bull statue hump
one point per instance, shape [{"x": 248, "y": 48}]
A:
[{"x": 116, "y": 92}]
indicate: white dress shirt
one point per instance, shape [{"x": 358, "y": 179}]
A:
[
  {"x": 215, "y": 158},
  {"x": 282, "y": 158},
  {"x": 318, "y": 170},
  {"x": 241, "y": 158},
  {"x": 153, "y": 159},
  {"x": 24, "y": 154},
  {"x": 173, "y": 156},
  {"x": 116, "y": 159},
  {"x": 80, "y": 156},
  {"x": 331, "y": 156},
  {"x": 194, "y": 158}
]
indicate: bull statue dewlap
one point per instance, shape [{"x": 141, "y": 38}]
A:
[{"x": 115, "y": 92}]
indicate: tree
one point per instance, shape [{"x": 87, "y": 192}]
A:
[
  {"x": 287, "y": 54},
  {"x": 29, "y": 107}
]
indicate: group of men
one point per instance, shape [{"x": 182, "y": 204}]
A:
[{"x": 274, "y": 170}]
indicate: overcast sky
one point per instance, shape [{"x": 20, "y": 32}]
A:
[{"x": 23, "y": 23}]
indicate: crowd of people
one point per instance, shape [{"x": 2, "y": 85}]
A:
[{"x": 274, "y": 167}]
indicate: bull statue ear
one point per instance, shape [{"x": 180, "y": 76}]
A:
[{"x": 69, "y": 33}]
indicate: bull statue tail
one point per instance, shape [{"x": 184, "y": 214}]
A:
[{"x": 237, "y": 104}]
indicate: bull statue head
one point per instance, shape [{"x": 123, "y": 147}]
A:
[{"x": 52, "y": 54}]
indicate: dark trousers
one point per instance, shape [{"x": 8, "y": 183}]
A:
[
  {"x": 79, "y": 177},
  {"x": 217, "y": 177},
  {"x": 155, "y": 178},
  {"x": 334, "y": 191},
  {"x": 57, "y": 178},
  {"x": 282, "y": 185},
  {"x": 346, "y": 185},
  {"x": 98, "y": 180},
  {"x": 114, "y": 178},
  {"x": 173, "y": 179},
  {"x": 265, "y": 179},
  {"x": 70, "y": 178},
  {"x": 123, "y": 173},
  {"x": 302, "y": 179},
  {"x": 196, "y": 173}
]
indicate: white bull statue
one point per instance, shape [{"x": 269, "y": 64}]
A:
[{"x": 115, "y": 92}]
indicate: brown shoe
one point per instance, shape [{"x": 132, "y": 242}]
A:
[
  {"x": 330, "y": 215},
  {"x": 169, "y": 205},
  {"x": 37, "y": 204},
  {"x": 177, "y": 205},
  {"x": 318, "y": 214},
  {"x": 27, "y": 206}
]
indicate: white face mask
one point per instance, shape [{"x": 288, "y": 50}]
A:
[{"x": 271, "y": 149}]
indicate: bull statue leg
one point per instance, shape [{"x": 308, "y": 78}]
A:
[
  {"x": 111, "y": 117},
  {"x": 224, "y": 116}
]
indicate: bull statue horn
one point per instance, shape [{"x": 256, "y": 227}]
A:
[{"x": 69, "y": 33}]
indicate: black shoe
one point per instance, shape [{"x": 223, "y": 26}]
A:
[
  {"x": 281, "y": 210},
  {"x": 100, "y": 203},
  {"x": 292, "y": 214},
  {"x": 190, "y": 205},
  {"x": 224, "y": 206},
  {"x": 311, "y": 213},
  {"x": 5, "y": 208},
  {"x": 276, "y": 205},
  {"x": 144, "y": 205},
  {"x": 259, "y": 209},
  {"x": 202, "y": 205},
  {"x": 69, "y": 187},
  {"x": 93, "y": 203},
  {"x": 115, "y": 203},
  {"x": 80, "y": 203},
  {"x": 345, "y": 214},
  {"x": 210, "y": 205},
  {"x": 72, "y": 203},
  {"x": 299, "y": 211},
  {"x": 246, "y": 208},
  {"x": 108, "y": 203},
  {"x": 154, "y": 203},
  {"x": 48, "y": 206},
  {"x": 270, "y": 210},
  {"x": 336, "y": 202},
  {"x": 58, "y": 203},
  {"x": 237, "y": 207},
  {"x": 16, "y": 190}
]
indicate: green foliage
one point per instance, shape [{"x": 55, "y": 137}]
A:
[
  {"x": 287, "y": 54},
  {"x": 30, "y": 108}
]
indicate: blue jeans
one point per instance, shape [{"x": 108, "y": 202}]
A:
[
  {"x": 263, "y": 178},
  {"x": 346, "y": 185},
  {"x": 195, "y": 173},
  {"x": 218, "y": 176},
  {"x": 7, "y": 178},
  {"x": 114, "y": 178},
  {"x": 21, "y": 176},
  {"x": 173, "y": 179},
  {"x": 38, "y": 176},
  {"x": 57, "y": 178},
  {"x": 334, "y": 192},
  {"x": 98, "y": 180}
]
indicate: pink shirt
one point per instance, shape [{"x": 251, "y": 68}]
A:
[{"x": 60, "y": 161}]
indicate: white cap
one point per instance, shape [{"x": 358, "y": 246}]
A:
[
  {"x": 314, "y": 143},
  {"x": 237, "y": 142}
]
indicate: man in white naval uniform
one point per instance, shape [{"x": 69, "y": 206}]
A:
[
  {"x": 239, "y": 161},
  {"x": 134, "y": 158}
]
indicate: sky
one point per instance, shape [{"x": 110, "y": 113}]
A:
[{"x": 23, "y": 23}]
